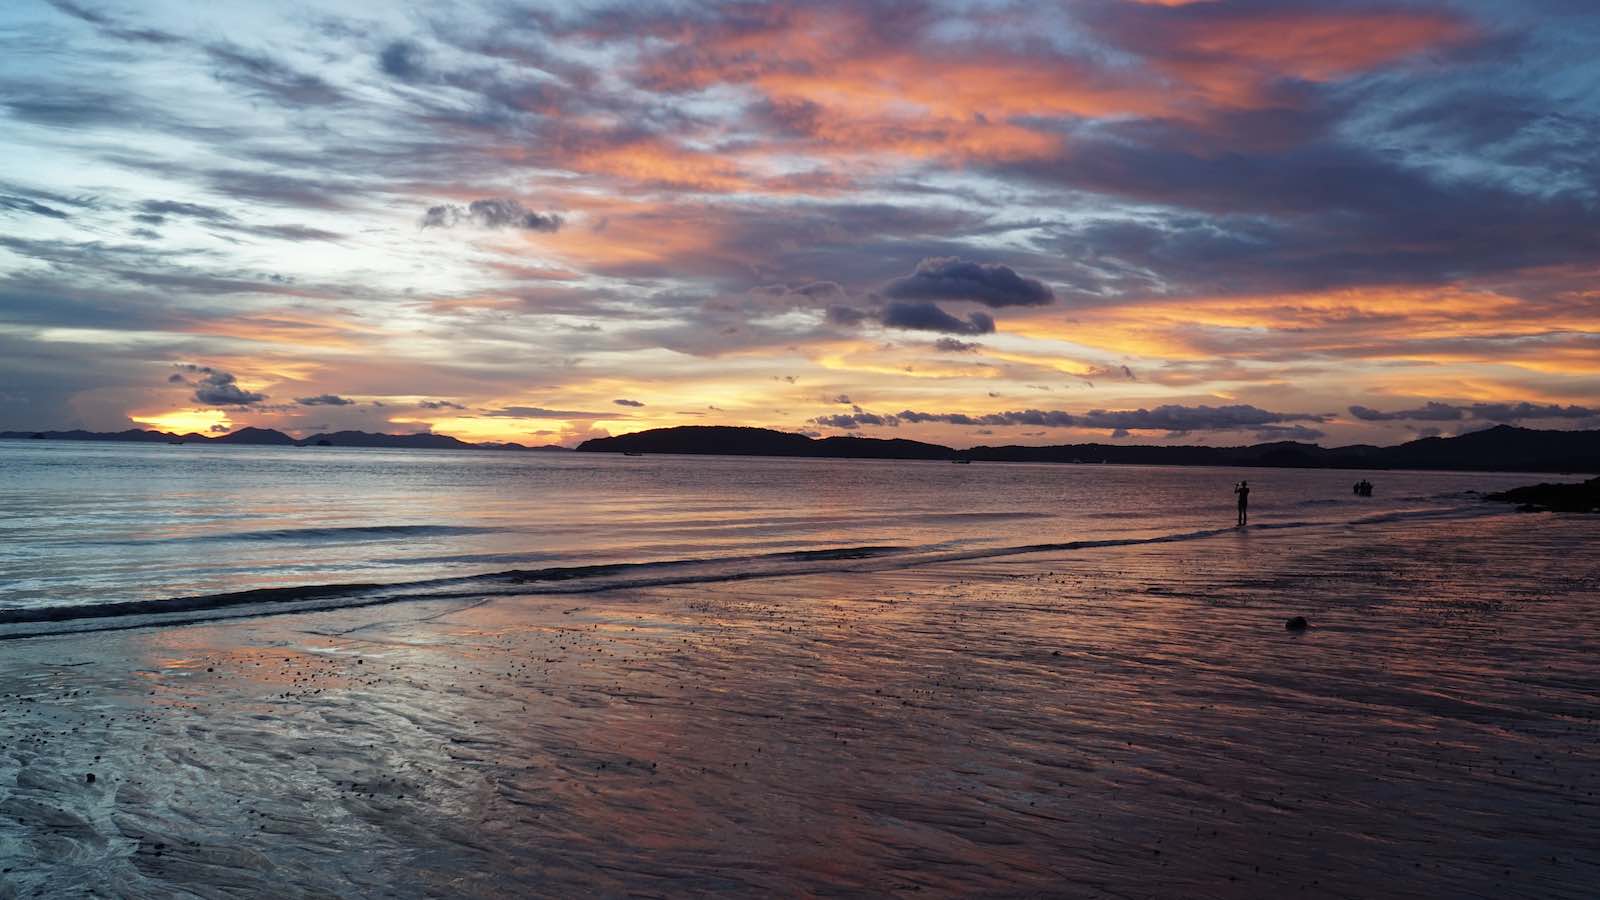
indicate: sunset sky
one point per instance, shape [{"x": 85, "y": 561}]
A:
[{"x": 1218, "y": 221}]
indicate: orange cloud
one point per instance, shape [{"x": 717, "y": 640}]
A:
[
  {"x": 842, "y": 82},
  {"x": 1231, "y": 58},
  {"x": 1447, "y": 323},
  {"x": 291, "y": 327},
  {"x": 658, "y": 162}
]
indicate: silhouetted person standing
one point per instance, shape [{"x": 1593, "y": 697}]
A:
[{"x": 1243, "y": 490}]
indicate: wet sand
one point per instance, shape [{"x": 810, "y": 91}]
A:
[{"x": 1108, "y": 722}]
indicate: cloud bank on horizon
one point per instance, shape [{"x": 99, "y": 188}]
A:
[{"x": 971, "y": 222}]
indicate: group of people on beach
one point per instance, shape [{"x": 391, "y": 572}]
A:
[{"x": 1362, "y": 488}]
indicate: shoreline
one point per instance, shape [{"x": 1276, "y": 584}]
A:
[
  {"x": 30, "y": 622},
  {"x": 1109, "y": 721}
]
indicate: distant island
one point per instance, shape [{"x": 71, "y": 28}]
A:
[
  {"x": 1501, "y": 448},
  {"x": 269, "y": 437}
]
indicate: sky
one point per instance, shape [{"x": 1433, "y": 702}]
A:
[{"x": 1143, "y": 221}]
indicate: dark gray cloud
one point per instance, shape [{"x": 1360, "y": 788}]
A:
[
  {"x": 1303, "y": 217},
  {"x": 1053, "y": 418},
  {"x": 1169, "y": 417},
  {"x": 214, "y": 387},
  {"x": 807, "y": 294},
  {"x": 851, "y": 244},
  {"x": 852, "y": 421},
  {"x": 61, "y": 296},
  {"x": 490, "y": 213},
  {"x": 951, "y": 345},
  {"x": 324, "y": 400},
  {"x": 1514, "y": 412},
  {"x": 405, "y": 60},
  {"x": 847, "y": 316},
  {"x": 1117, "y": 373},
  {"x": 112, "y": 27},
  {"x": 28, "y": 196},
  {"x": 263, "y": 76},
  {"x": 156, "y": 212},
  {"x": 924, "y": 316},
  {"x": 819, "y": 289},
  {"x": 305, "y": 190},
  {"x": 259, "y": 74},
  {"x": 627, "y": 403},
  {"x": 178, "y": 208},
  {"x": 289, "y": 232},
  {"x": 24, "y": 205},
  {"x": 72, "y": 106},
  {"x": 1434, "y": 411},
  {"x": 949, "y": 278},
  {"x": 440, "y": 404},
  {"x": 537, "y": 412}
]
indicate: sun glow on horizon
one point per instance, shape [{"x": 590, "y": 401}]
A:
[{"x": 185, "y": 421}]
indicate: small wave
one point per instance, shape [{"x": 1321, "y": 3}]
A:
[
  {"x": 349, "y": 533},
  {"x": 324, "y": 534},
  {"x": 1452, "y": 512},
  {"x": 593, "y": 578},
  {"x": 359, "y": 593}
]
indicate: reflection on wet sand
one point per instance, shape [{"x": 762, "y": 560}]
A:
[{"x": 1125, "y": 721}]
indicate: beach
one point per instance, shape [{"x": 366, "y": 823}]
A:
[
  {"x": 1118, "y": 721},
  {"x": 1100, "y": 449}
]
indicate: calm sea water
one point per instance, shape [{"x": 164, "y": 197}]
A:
[
  {"x": 84, "y": 524},
  {"x": 1124, "y": 721}
]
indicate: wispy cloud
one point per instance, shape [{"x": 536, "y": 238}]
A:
[{"x": 1252, "y": 204}]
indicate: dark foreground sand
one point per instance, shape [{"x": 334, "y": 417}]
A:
[{"x": 1122, "y": 722}]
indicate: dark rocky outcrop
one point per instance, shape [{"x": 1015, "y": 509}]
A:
[{"x": 1582, "y": 498}]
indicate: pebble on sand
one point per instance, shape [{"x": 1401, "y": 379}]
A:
[
  {"x": 89, "y": 778},
  {"x": 1298, "y": 623}
]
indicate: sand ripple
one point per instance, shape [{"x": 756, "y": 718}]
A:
[{"x": 1122, "y": 721}]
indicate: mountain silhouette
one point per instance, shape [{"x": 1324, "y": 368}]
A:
[
  {"x": 1503, "y": 447},
  {"x": 272, "y": 437}
]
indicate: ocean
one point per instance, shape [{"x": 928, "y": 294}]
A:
[
  {"x": 116, "y": 529},
  {"x": 688, "y": 676}
]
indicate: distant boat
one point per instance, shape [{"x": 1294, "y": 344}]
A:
[
  {"x": 176, "y": 443},
  {"x": 631, "y": 453},
  {"x": 962, "y": 462}
]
